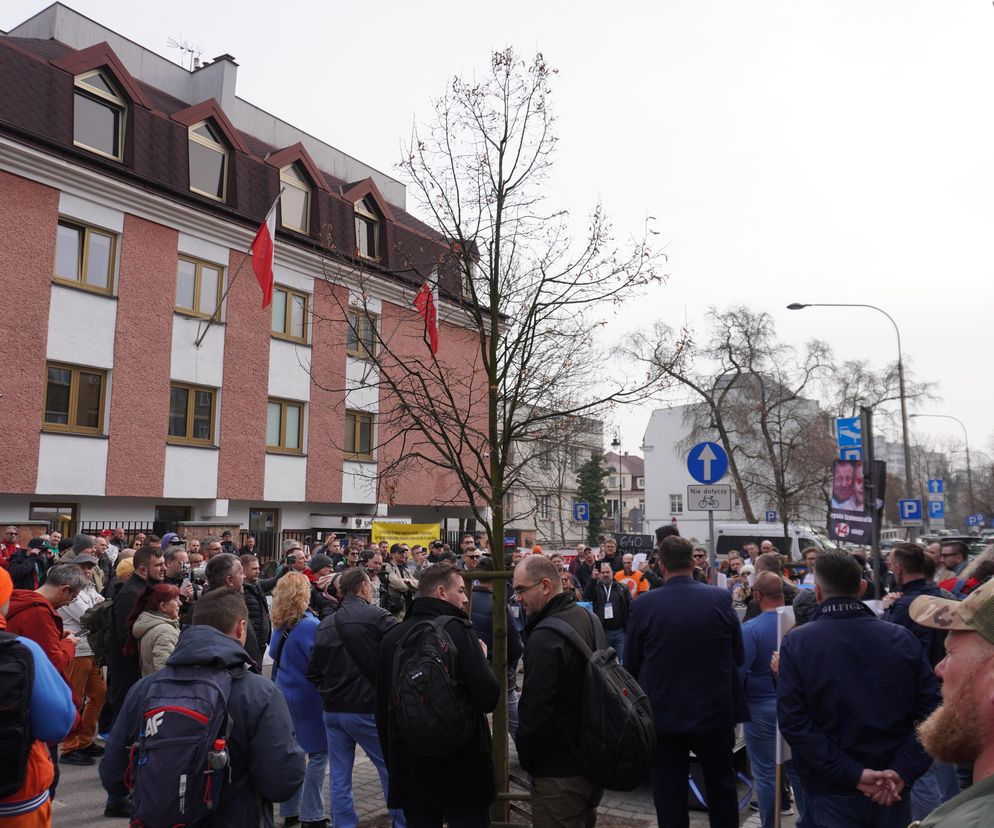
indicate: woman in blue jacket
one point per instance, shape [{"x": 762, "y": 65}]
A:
[{"x": 294, "y": 627}]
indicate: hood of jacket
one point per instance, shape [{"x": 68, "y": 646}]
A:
[
  {"x": 25, "y": 599},
  {"x": 202, "y": 645},
  {"x": 149, "y": 620}
]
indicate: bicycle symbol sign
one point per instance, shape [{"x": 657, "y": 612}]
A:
[{"x": 714, "y": 498}]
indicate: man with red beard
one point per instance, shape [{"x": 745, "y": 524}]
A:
[{"x": 961, "y": 730}]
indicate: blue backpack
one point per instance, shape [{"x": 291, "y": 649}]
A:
[{"x": 180, "y": 762}]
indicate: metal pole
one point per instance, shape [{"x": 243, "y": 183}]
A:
[
  {"x": 870, "y": 495},
  {"x": 966, "y": 441},
  {"x": 908, "y": 489},
  {"x": 712, "y": 554}
]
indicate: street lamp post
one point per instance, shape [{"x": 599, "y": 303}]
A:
[
  {"x": 909, "y": 491},
  {"x": 616, "y": 445},
  {"x": 966, "y": 440}
]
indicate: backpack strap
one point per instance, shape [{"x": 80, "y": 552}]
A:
[
  {"x": 279, "y": 650},
  {"x": 567, "y": 631}
]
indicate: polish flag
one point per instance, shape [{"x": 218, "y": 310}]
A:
[
  {"x": 262, "y": 256},
  {"x": 425, "y": 302}
]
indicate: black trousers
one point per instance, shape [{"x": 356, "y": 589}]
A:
[
  {"x": 462, "y": 818},
  {"x": 671, "y": 768}
]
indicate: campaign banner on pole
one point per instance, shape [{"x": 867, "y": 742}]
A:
[
  {"x": 412, "y": 534},
  {"x": 850, "y": 519}
]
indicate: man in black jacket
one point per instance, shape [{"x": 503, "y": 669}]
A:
[
  {"x": 549, "y": 709},
  {"x": 124, "y": 670},
  {"x": 343, "y": 668},
  {"x": 255, "y": 589},
  {"x": 610, "y": 601},
  {"x": 460, "y": 787}
]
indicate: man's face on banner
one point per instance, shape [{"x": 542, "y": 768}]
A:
[
  {"x": 857, "y": 483},
  {"x": 842, "y": 484}
]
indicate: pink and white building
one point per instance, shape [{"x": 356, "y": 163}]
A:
[{"x": 130, "y": 189}]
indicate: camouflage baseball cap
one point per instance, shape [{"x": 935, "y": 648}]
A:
[{"x": 974, "y": 613}]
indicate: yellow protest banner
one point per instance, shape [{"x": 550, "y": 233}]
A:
[{"x": 412, "y": 534}]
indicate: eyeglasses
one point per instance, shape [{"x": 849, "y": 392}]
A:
[
  {"x": 521, "y": 590},
  {"x": 950, "y": 554},
  {"x": 697, "y": 555},
  {"x": 471, "y": 557}
]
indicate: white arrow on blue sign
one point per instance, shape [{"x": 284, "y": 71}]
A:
[
  {"x": 707, "y": 462},
  {"x": 935, "y": 487},
  {"x": 849, "y": 432},
  {"x": 936, "y": 510}
]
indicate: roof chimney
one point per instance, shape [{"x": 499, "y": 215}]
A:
[{"x": 215, "y": 80}]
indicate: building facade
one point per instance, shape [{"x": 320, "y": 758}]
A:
[
  {"x": 625, "y": 485},
  {"x": 142, "y": 379}
]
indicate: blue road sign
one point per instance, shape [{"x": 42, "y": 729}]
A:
[
  {"x": 771, "y": 516},
  {"x": 911, "y": 512},
  {"x": 935, "y": 487},
  {"x": 975, "y": 520},
  {"x": 581, "y": 511},
  {"x": 849, "y": 432},
  {"x": 854, "y": 453},
  {"x": 707, "y": 462},
  {"x": 936, "y": 510}
]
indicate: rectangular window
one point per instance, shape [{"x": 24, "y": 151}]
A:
[
  {"x": 98, "y": 115},
  {"x": 74, "y": 399},
  {"x": 639, "y": 482},
  {"x": 358, "y": 435},
  {"x": 290, "y": 314},
  {"x": 285, "y": 426},
  {"x": 542, "y": 506},
  {"x": 198, "y": 287},
  {"x": 676, "y": 504},
  {"x": 361, "y": 335},
  {"x": 191, "y": 414},
  {"x": 60, "y": 516},
  {"x": 84, "y": 256}
]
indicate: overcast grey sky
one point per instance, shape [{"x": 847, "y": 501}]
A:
[{"x": 790, "y": 151}]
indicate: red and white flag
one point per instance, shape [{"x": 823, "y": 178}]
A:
[
  {"x": 426, "y": 303},
  {"x": 262, "y": 255}
]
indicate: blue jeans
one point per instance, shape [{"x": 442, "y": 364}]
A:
[
  {"x": 761, "y": 745},
  {"x": 616, "y": 639},
  {"x": 855, "y": 811},
  {"x": 345, "y": 731},
  {"x": 308, "y": 801}
]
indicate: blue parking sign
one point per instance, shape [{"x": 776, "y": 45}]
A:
[
  {"x": 936, "y": 510},
  {"x": 581, "y": 511},
  {"x": 911, "y": 512}
]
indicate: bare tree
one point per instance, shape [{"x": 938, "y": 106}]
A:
[{"x": 522, "y": 296}]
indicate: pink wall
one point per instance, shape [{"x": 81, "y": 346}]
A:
[
  {"x": 139, "y": 398},
  {"x": 326, "y": 412},
  {"x": 458, "y": 352},
  {"x": 242, "y": 464},
  {"x": 28, "y": 217}
]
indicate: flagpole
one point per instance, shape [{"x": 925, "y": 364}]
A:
[{"x": 247, "y": 254}]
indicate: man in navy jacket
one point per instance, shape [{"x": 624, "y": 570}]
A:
[
  {"x": 851, "y": 689},
  {"x": 685, "y": 647}
]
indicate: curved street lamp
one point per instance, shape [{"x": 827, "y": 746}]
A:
[
  {"x": 966, "y": 440},
  {"x": 909, "y": 492}
]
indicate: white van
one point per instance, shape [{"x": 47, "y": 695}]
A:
[{"x": 728, "y": 536}]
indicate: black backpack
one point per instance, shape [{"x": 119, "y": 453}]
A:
[
  {"x": 618, "y": 732},
  {"x": 98, "y": 620},
  {"x": 17, "y": 675},
  {"x": 431, "y": 709},
  {"x": 179, "y": 764}
]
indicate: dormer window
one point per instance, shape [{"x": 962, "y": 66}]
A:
[
  {"x": 208, "y": 160},
  {"x": 295, "y": 205},
  {"x": 367, "y": 229},
  {"x": 98, "y": 115}
]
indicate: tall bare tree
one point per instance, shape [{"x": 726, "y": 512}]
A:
[{"x": 523, "y": 298}]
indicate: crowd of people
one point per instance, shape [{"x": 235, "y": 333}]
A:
[{"x": 146, "y": 655}]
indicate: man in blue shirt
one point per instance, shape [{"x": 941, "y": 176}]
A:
[{"x": 759, "y": 639}]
